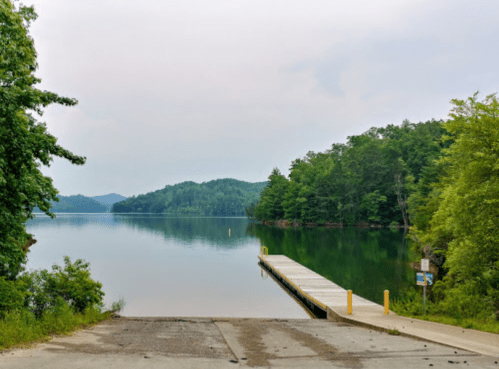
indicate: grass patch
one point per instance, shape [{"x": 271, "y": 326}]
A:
[
  {"x": 40, "y": 304},
  {"x": 21, "y": 328},
  {"x": 461, "y": 308},
  {"x": 484, "y": 325}
]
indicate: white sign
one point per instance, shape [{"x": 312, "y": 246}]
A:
[{"x": 425, "y": 265}]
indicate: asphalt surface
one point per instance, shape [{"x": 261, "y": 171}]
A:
[{"x": 231, "y": 343}]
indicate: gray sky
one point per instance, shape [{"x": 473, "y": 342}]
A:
[{"x": 173, "y": 91}]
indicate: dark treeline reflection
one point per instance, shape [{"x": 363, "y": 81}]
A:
[
  {"x": 187, "y": 229},
  {"x": 73, "y": 220},
  {"x": 363, "y": 260}
]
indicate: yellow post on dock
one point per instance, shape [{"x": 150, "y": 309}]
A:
[
  {"x": 349, "y": 302},
  {"x": 264, "y": 251},
  {"x": 387, "y": 301}
]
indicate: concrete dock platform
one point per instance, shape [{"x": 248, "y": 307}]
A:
[{"x": 320, "y": 293}]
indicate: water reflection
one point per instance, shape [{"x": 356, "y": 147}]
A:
[
  {"x": 166, "y": 266},
  {"x": 191, "y": 266},
  {"x": 215, "y": 230},
  {"x": 366, "y": 261}
]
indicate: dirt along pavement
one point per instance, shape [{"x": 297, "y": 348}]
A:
[{"x": 231, "y": 343}]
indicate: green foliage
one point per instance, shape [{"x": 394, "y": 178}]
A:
[
  {"x": 449, "y": 305},
  {"x": 118, "y": 306},
  {"x": 43, "y": 303},
  {"x": 71, "y": 284},
  {"x": 26, "y": 143},
  {"x": 250, "y": 211},
  {"x": 21, "y": 327},
  {"x": 12, "y": 295},
  {"x": 457, "y": 213},
  {"x": 221, "y": 197},
  {"x": 370, "y": 204},
  {"x": 462, "y": 300},
  {"x": 270, "y": 204},
  {"x": 485, "y": 325},
  {"x": 412, "y": 304},
  {"x": 38, "y": 303},
  {"x": 77, "y": 204},
  {"x": 366, "y": 180}
]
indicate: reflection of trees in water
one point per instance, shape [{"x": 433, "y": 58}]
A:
[
  {"x": 185, "y": 229},
  {"x": 72, "y": 220},
  {"x": 189, "y": 229},
  {"x": 366, "y": 261}
]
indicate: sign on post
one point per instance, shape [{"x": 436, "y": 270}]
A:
[
  {"x": 420, "y": 279},
  {"x": 425, "y": 265},
  {"x": 424, "y": 279}
]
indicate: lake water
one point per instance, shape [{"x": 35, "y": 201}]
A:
[{"x": 174, "y": 266}]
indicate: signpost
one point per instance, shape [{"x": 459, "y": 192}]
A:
[{"x": 424, "y": 279}]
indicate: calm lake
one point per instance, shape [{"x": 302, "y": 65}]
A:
[{"x": 191, "y": 266}]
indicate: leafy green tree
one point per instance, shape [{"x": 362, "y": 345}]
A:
[
  {"x": 370, "y": 204},
  {"x": 26, "y": 143},
  {"x": 463, "y": 226},
  {"x": 270, "y": 205},
  {"x": 250, "y": 211},
  {"x": 455, "y": 211}
]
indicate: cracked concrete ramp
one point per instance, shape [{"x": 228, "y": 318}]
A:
[{"x": 231, "y": 343}]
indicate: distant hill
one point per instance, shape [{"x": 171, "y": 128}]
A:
[
  {"x": 109, "y": 199},
  {"x": 223, "y": 197},
  {"x": 83, "y": 204}
]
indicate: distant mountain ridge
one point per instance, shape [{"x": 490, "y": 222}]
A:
[
  {"x": 109, "y": 199},
  {"x": 83, "y": 204},
  {"x": 222, "y": 197}
]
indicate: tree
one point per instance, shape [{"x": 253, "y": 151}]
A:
[
  {"x": 25, "y": 143},
  {"x": 370, "y": 204},
  {"x": 463, "y": 226},
  {"x": 269, "y": 206},
  {"x": 250, "y": 211}
]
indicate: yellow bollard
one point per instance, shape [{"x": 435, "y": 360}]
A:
[
  {"x": 264, "y": 251},
  {"x": 387, "y": 301},
  {"x": 349, "y": 302}
]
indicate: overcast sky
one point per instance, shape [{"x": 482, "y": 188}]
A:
[{"x": 173, "y": 91}]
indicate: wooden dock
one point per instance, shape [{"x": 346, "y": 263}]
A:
[{"x": 315, "y": 291}]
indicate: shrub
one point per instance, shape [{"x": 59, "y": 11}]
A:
[
  {"x": 12, "y": 295},
  {"x": 465, "y": 300},
  {"x": 21, "y": 326},
  {"x": 71, "y": 284},
  {"x": 118, "y": 306},
  {"x": 412, "y": 304}
]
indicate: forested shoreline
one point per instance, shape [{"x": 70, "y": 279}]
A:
[
  {"x": 221, "y": 197},
  {"x": 365, "y": 182},
  {"x": 76, "y": 204},
  {"x": 437, "y": 179}
]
